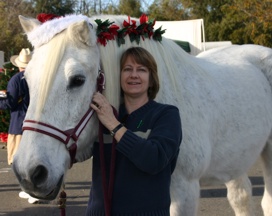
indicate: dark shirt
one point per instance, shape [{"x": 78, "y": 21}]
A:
[
  {"x": 17, "y": 102},
  {"x": 146, "y": 156}
]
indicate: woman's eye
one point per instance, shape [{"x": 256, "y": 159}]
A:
[
  {"x": 127, "y": 69},
  {"x": 142, "y": 70},
  {"x": 76, "y": 81}
]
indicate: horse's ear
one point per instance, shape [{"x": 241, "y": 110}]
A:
[
  {"x": 81, "y": 32},
  {"x": 29, "y": 24}
]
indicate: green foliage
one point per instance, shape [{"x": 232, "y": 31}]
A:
[
  {"x": 234, "y": 28},
  {"x": 11, "y": 37},
  {"x": 9, "y": 71},
  {"x": 168, "y": 10},
  {"x": 59, "y": 7},
  {"x": 4, "y": 120},
  {"x": 130, "y": 7},
  {"x": 112, "y": 9},
  {"x": 240, "y": 21},
  {"x": 158, "y": 34},
  {"x": 252, "y": 21}
]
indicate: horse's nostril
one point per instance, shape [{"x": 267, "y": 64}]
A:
[{"x": 39, "y": 175}]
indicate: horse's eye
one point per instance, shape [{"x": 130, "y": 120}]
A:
[{"x": 76, "y": 81}]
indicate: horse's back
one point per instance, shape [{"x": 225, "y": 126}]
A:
[
  {"x": 253, "y": 54},
  {"x": 233, "y": 115}
]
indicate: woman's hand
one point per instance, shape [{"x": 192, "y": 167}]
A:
[{"x": 104, "y": 111}]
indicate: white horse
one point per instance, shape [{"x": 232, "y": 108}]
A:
[{"x": 224, "y": 97}]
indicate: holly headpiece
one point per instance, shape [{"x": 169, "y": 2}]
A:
[{"x": 106, "y": 30}]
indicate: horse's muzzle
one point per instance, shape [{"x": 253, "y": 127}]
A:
[{"x": 36, "y": 183}]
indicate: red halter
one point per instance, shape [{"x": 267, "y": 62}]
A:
[{"x": 67, "y": 135}]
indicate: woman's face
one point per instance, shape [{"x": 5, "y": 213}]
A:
[{"x": 134, "y": 79}]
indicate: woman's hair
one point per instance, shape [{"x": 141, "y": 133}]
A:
[{"x": 143, "y": 57}]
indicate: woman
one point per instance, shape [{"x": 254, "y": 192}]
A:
[{"x": 148, "y": 136}]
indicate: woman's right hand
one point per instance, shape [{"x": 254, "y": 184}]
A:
[{"x": 104, "y": 111}]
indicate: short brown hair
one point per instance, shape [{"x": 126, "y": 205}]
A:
[{"x": 143, "y": 57}]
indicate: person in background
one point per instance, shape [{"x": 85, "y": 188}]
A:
[
  {"x": 17, "y": 101},
  {"x": 148, "y": 136}
]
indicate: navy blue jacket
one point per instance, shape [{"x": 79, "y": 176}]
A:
[
  {"x": 146, "y": 156},
  {"x": 17, "y": 102}
]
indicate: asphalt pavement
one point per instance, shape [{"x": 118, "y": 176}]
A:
[{"x": 213, "y": 200}]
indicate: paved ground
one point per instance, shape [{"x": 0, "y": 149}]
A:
[{"x": 212, "y": 203}]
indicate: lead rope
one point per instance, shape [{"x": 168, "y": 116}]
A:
[
  {"x": 62, "y": 202},
  {"x": 107, "y": 188}
]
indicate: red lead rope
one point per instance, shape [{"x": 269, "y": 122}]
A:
[
  {"x": 107, "y": 188},
  {"x": 62, "y": 203}
]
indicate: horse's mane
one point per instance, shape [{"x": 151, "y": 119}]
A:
[
  {"x": 169, "y": 57},
  {"x": 49, "y": 70}
]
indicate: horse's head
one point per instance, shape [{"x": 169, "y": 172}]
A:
[{"x": 62, "y": 78}]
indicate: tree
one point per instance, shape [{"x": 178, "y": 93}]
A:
[
  {"x": 112, "y": 9},
  {"x": 130, "y": 7},
  {"x": 241, "y": 21},
  {"x": 252, "y": 23},
  {"x": 168, "y": 10},
  {"x": 83, "y": 7},
  {"x": 59, "y": 7},
  {"x": 12, "y": 39}
]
